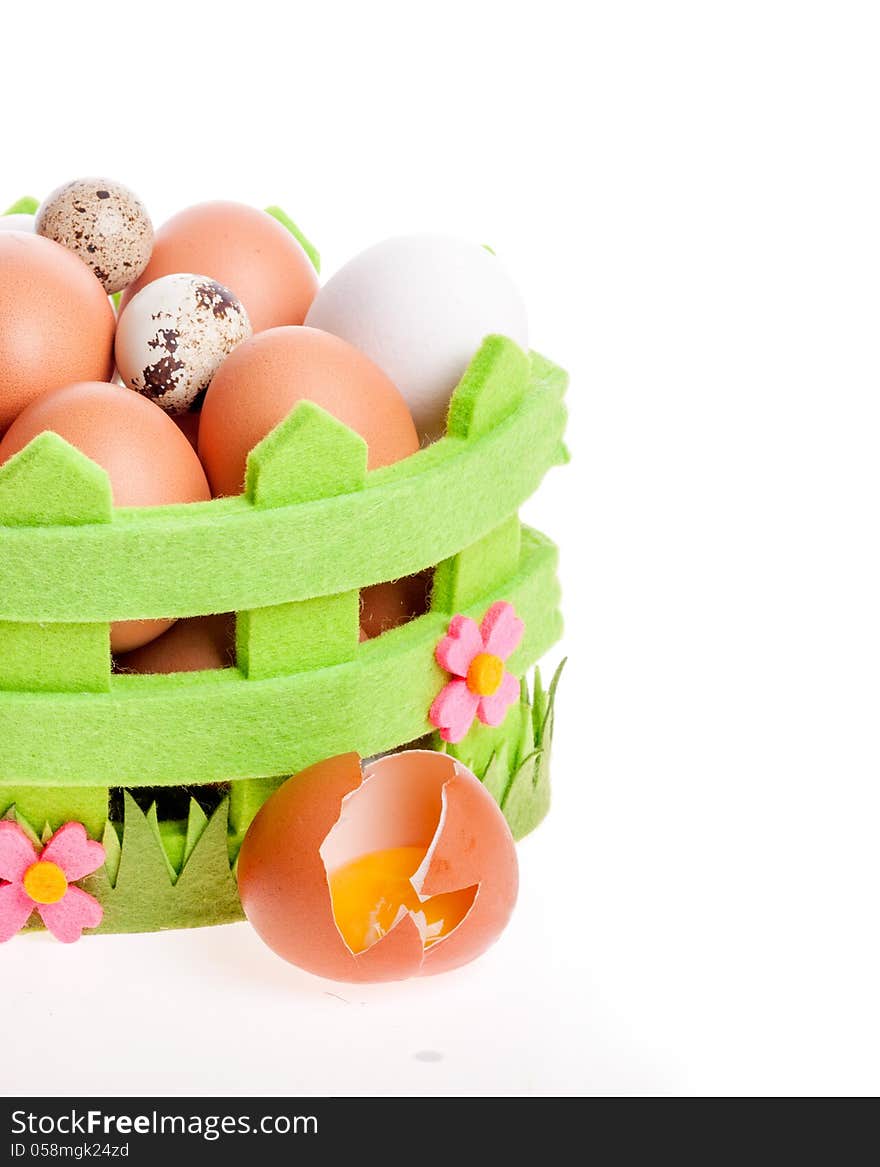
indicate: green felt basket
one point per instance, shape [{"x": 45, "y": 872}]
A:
[{"x": 289, "y": 557}]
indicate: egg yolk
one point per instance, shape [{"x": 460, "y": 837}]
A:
[{"x": 369, "y": 892}]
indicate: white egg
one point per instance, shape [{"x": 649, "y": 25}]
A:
[
  {"x": 17, "y": 222},
  {"x": 173, "y": 336},
  {"x": 420, "y": 306}
]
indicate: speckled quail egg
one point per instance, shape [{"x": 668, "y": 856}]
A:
[
  {"x": 102, "y": 222},
  {"x": 173, "y": 336}
]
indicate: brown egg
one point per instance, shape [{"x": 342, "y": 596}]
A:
[
  {"x": 200, "y": 642},
  {"x": 386, "y": 605},
  {"x": 261, "y": 381},
  {"x": 147, "y": 458},
  {"x": 56, "y": 323},
  {"x": 407, "y": 869},
  {"x": 244, "y": 249},
  {"x": 188, "y": 423}
]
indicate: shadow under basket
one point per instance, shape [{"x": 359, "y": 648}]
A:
[{"x": 168, "y": 771}]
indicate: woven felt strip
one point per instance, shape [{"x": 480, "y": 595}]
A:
[
  {"x": 35, "y": 656},
  {"x": 491, "y": 389},
  {"x": 309, "y": 455},
  {"x": 231, "y": 555},
  {"x": 216, "y": 726},
  {"x": 73, "y": 658}
]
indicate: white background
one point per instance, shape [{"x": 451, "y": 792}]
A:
[{"x": 689, "y": 196}]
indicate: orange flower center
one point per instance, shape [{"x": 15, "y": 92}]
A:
[
  {"x": 45, "y": 882},
  {"x": 485, "y": 674}
]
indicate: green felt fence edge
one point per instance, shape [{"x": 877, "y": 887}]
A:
[
  {"x": 232, "y": 555},
  {"x": 219, "y": 726}
]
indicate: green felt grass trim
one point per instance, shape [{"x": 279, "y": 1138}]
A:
[
  {"x": 48, "y": 809},
  {"x": 309, "y": 248},
  {"x": 231, "y": 555},
  {"x": 147, "y": 891},
  {"x": 25, "y": 206},
  {"x": 160, "y": 876},
  {"x": 216, "y": 726},
  {"x": 513, "y": 760},
  {"x": 246, "y": 796},
  {"x": 110, "y": 837}
]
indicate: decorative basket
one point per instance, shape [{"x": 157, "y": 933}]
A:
[{"x": 168, "y": 771}]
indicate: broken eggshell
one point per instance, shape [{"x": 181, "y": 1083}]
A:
[{"x": 333, "y": 813}]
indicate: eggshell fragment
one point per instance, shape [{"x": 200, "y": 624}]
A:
[
  {"x": 56, "y": 323},
  {"x": 469, "y": 849},
  {"x": 174, "y": 336},
  {"x": 242, "y": 248},
  {"x": 261, "y": 381},
  {"x": 147, "y": 458},
  {"x": 330, "y": 814},
  {"x": 104, "y": 223}
]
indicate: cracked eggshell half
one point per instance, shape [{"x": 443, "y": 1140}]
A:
[
  {"x": 332, "y": 814},
  {"x": 174, "y": 335}
]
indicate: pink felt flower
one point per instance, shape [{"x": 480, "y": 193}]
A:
[
  {"x": 480, "y": 687},
  {"x": 42, "y": 881}
]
